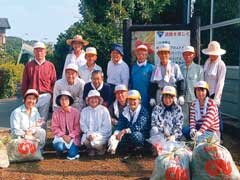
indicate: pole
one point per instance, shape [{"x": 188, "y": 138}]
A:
[{"x": 127, "y": 37}]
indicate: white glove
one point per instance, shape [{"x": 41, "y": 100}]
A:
[
  {"x": 217, "y": 101},
  {"x": 152, "y": 102},
  {"x": 112, "y": 144},
  {"x": 198, "y": 133},
  {"x": 181, "y": 100},
  {"x": 171, "y": 138},
  {"x": 193, "y": 133}
]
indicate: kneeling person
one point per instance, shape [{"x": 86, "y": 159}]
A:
[
  {"x": 65, "y": 126},
  {"x": 95, "y": 124},
  {"x": 133, "y": 126}
]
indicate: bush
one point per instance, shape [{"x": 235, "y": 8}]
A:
[{"x": 10, "y": 76}]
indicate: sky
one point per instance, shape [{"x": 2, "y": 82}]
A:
[{"x": 41, "y": 20}]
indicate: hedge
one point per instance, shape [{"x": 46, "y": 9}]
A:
[{"x": 10, "y": 76}]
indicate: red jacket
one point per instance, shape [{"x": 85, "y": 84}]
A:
[{"x": 40, "y": 77}]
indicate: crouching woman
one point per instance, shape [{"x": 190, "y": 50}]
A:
[
  {"x": 25, "y": 120},
  {"x": 66, "y": 127},
  {"x": 133, "y": 126}
]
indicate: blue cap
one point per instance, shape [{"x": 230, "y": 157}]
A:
[{"x": 117, "y": 48}]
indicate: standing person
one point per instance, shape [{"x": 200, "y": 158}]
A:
[
  {"x": 85, "y": 71},
  {"x": 203, "y": 112},
  {"x": 133, "y": 126},
  {"x": 167, "y": 73},
  {"x": 192, "y": 73},
  {"x": 77, "y": 56},
  {"x": 117, "y": 69},
  {"x": 214, "y": 74},
  {"x": 95, "y": 124},
  {"x": 66, "y": 126},
  {"x": 116, "y": 108},
  {"x": 98, "y": 84},
  {"x": 141, "y": 74},
  {"x": 25, "y": 120},
  {"x": 71, "y": 83},
  {"x": 40, "y": 74}
]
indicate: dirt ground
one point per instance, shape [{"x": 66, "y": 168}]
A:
[{"x": 105, "y": 167}]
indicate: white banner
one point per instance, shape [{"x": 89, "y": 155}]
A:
[{"x": 177, "y": 40}]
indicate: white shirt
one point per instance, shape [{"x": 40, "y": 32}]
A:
[
  {"x": 118, "y": 73},
  {"x": 86, "y": 73},
  {"x": 76, "y": 90},
  {"x": 20, "y": 121},
  {"x": 96, "y": 120},
  {"x": 71, "y": 58},
  {"x": 214, "y": 75}
]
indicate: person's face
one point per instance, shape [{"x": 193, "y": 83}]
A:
[
  {"x": 30, "y": 101},
  {"x": 77, "y": 46},
  {"x": 39, "y": 54},
  {"x": 93, "y": 101},
  {"x": 141, "y": 55},
  {"x": 97, "y": 80},
  {"x": 164, "y": 57},
  {"x": 64, "y": 101},
  {"x": 91, "y": 58},
  {"x": 71, "y": 76},
  {"x": 168, "y": 99},
  {"x": 188, "y": 57},
  {"x": 121, "y": 96},
  {"x": 213, "y": 57},
  {"x": 116, "y": 56},
  {"x": 133, "y": 103},
  {"x": 201, "y": 93}
]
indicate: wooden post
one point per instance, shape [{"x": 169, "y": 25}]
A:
[
  {"x": 196, "y": 36},
  {"x": 127, "y": 39}
]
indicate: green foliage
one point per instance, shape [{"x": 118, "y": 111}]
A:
[
  {"x": 102, "y": 24},
  {"x": 10, "y": 76},
  {"x": 5, "y": 57}
]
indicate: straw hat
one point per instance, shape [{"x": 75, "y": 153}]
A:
[
  {"x": 77, "y": 38},
  {"x": 31, "y": 92},
  {"x": 94, "y": 93},
  {"x": 64, "y": 93},
  {"x": 214, "y": 49}
]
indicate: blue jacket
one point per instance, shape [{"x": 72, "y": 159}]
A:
[
  {"x": 140, "y": 80},
  {"x": 142, "y": 123}
]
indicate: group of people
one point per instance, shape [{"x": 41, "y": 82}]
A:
[{"x": 129, "y": 107}]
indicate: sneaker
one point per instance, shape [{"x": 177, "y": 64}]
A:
[
  {"x": 73, "y": 158},
  {"x": 91, "y": 153}
]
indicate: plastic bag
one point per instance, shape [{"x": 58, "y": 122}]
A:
[
  {"x": 213, "y": 161},
  {"x": 208, "y": 136},
  {"x": 172, "y": 165},
  {"x": 20, "y": 150},
  {"x": 4, "y": 161},
  {"x": 161, "y": 145}
]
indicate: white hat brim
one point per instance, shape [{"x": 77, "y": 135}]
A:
[
  {"x": 216, "y": 53},
  {"x": 99, "y": 97}
]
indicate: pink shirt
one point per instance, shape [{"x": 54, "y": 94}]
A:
[
  {"x": 40, "y": 77},
  {"x": 71, "y": 119}
]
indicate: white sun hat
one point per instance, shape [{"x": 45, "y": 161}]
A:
[
  {"x": 164, "y": 47},
  {"x": 120, "y": 87},
  {"x": 94, "y": 93},
  {"x": 91, "y": 50},
  {"x": 169, "y": 90},
  {"x": 39, "y": 45},
  {"x": 72, "y": 66},
  {"x": 188, "y": 49},
  {"x": 214, "y": 49},
  {"x": 133, "y": 94}
]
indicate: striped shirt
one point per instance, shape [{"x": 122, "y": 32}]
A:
[{"x": 208, "y": 121}]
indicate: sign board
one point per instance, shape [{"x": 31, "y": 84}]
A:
[{"x": 152, "y": 39}]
